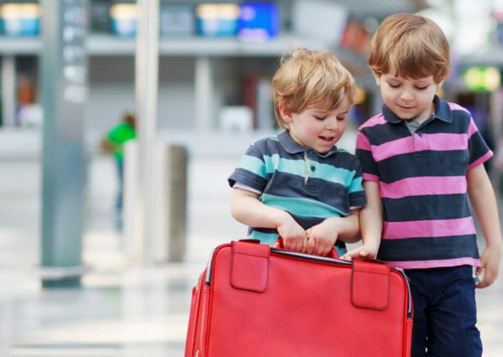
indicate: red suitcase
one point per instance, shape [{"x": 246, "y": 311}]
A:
[{"x": 257, "y": 301}]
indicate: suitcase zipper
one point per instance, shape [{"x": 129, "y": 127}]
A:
[
  {"x": 209, "y": 270},
  {"x": 409, "y": 293},
  {"x": 315, "y": 258},
  {"x": 304, "y": 256}
]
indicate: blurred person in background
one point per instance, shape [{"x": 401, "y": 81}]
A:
[{"x": 114, "y": 142}]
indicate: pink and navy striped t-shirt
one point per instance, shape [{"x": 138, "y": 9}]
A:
[{"x": 422, "y": 178}]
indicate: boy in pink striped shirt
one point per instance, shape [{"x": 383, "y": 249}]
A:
[{"x": 422, "y": 161}]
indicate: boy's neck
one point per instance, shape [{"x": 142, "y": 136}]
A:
[{"x": 425, "y": 118}]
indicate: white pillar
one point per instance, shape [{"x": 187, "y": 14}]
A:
[
  {"x": 204, "y": 87},
  {"x": 147, "y": 88},
  {"x": 9, "y": 90}
]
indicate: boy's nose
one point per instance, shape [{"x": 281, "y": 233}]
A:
[
  {"x": 332, "y": 124},
  {"x": 406, "y": 95}
]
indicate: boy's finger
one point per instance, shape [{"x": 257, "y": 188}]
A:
[
  {"x": 483, "y": 284},
  {"x": 364, "y": 254},
  {"x": 322, "y": 250},
  {"x": 347, "y": 257},
  {"x": 311, "y": 244},
  {"x": 300, "y": 245},
  {"x": 488, "y": 277}
]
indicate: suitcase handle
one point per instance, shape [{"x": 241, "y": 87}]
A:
[{"x": 279, "y": 245}]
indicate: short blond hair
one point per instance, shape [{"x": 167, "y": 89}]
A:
[
  {"x": 413, "y": 46},
  {"x": 308, "y": 78}
]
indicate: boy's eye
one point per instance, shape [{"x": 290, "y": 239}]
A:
[
  {"x": 421, "y": 88},
  {"x": 394, "y": 85},
  {"x": 320, "y": 117},
  {"x": 341, "y": 118}
]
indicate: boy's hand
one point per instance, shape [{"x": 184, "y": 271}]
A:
[
  {"x": 321, "y": 238},
  {"x": 366, "y": 251},
  {"x": 293, "y": 235},
  {"x": 490, "y": 260}
]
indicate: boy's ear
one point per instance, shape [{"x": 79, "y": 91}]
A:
[
  {"x": 285, "y": 114},
  {"x": 440, "y": 91}
]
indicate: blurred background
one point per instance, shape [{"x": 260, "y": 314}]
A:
[{"x": 81, "y": 275}]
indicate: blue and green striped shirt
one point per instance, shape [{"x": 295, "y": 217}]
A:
[{"x": 308, "y": 185}]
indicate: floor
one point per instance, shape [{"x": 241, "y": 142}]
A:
[{"x": 124, "y": 308}]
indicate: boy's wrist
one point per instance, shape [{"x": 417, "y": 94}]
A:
[
  {"x": 494, "y": 244},
  {"x": 334, "y": 222},
  {"x": 280, "y": 217},
  {"x": 371, "y": 244},
  {"x": 340, "y": 224}
]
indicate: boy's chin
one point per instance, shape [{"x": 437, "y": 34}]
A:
[
  {"x": 407, "y": 116},
  {"x": 324, "y": 149}
]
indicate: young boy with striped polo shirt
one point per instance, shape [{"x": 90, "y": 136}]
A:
[
  {"x": 298, "y": 184},
  {"x": 422, "y": 159}
]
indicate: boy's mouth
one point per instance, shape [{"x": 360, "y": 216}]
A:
[{"x": 327, "y": 138}]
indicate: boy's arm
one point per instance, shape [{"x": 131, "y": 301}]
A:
[
  {"x": 247, "y": 209},
  {"x": 371, "y": 222},
  {"x": 348, "y": 228},
  {"x": 483, "y": 201}
]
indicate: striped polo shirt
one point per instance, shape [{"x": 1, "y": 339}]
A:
[
  {"x": 422, "y": 179},
  {"x": 308, "y": 185}
]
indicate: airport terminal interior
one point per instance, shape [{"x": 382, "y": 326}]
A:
[{"x": 76, "y": 278}]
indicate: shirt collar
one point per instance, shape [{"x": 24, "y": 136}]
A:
[
  {"x": 442, "y": 112},
  {"x": 292, "y": 147}
]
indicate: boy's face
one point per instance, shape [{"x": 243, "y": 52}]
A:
[
  {"x": 408, "y": 98},
  {"x": 317, "y": 129}
]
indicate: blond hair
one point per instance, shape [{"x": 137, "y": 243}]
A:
[
  {"x": 413, "y": 46},
  {"x": 308, "y": 78}
]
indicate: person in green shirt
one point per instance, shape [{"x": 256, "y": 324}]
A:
[{"x": 114, "y": 143}]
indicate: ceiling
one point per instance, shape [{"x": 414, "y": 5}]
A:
[{"x": 382, "y": 8}]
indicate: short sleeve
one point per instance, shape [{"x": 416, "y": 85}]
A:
[
  {"x": 364, "y": 154},
  {"x": 356, "y": 192},
  {"x": 250, "y": 170},
  {"x": 478, "y": 151}
]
